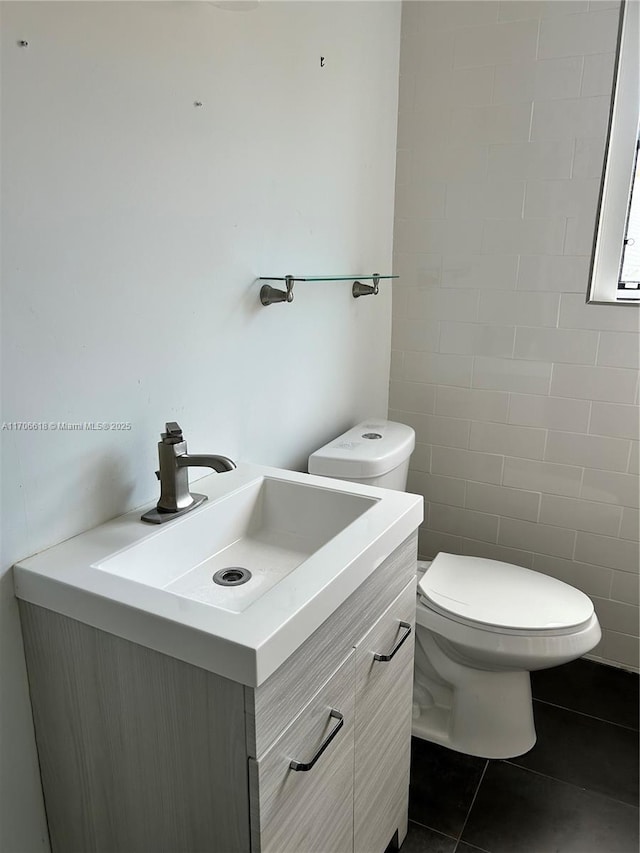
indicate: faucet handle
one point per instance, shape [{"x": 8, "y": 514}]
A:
[{"x": 173, "y": 433}]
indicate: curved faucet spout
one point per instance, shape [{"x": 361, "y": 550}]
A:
[
  {"x": 175, "y": 497},
  {"x": 205, "y": 460}
]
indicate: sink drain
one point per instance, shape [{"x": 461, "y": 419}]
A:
[{"x": 233, "y": 576}]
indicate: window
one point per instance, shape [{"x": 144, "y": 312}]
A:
[
  {"x": 615, "y": 269},
  {"x": 630, "y": 267}
]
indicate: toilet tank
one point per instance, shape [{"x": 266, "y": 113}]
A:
[{"x": 375, "y": 452}]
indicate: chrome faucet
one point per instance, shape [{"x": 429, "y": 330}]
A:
[{"x": 175, "y": 497}]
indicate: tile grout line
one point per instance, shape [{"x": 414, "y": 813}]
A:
[
  {"x": 439, "y": 831},
  {"x": 466, "y": 820},
  {"x": 570, "y": 784},
  {"x": 471, "y": 846},
  {"x": 583, "y": 714}
]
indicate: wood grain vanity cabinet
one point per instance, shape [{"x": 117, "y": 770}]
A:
[{"x": 143, "y": 753}]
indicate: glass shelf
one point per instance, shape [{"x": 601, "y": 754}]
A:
[
  {"x": 269, "y": 295},
  {"x": 325, "y": 277}
]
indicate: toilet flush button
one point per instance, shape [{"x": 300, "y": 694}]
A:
[{"x": 371, "y": 435}]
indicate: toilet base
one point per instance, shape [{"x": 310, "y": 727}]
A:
[
  {"x": 481, "y": 712},
  {"x": 490, "y": 716}
]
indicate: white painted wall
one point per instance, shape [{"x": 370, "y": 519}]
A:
[
  {"x": 524, "y": 398},
  {"x": 134, "y": 226}
]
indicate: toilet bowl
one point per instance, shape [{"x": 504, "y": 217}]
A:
[{"x": 481, "y": 625}]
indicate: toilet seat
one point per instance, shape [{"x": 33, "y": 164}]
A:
[{"x": 502, "y": 598}]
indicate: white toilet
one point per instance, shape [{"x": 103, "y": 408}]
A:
[{"x": 481, "y": 625}]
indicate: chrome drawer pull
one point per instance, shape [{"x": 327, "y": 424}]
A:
[
  {"x": 396, "y": 647},
  {"x": 300, "y": 765}
]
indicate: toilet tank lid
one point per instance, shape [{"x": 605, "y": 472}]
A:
[
  {"x": 369, "y": 449},
  {"x": 474, "y": 589}
]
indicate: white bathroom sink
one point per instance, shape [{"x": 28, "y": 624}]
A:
[
  {"x": 262, "y": 531},
  {"x": 308, "y": 542}
]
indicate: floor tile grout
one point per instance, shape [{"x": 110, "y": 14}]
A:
[
  {"x": 589, "y": 716},
  {"x": 472, "y": 802},
  {"x": 458, "y": 841},
  {"x": 473, "y": 847},
  {"x": 571, "y": 784},
  {"x": 433, "y": 829}
]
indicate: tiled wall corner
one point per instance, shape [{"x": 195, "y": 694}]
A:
[{"x": 524, "y": 398}]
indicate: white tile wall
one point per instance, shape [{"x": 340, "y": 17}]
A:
[
  {"x": 495, "y": 272},
  {"x": 553, "y": 272},
  {"x": 515, "y": 503},
  {"x": 446, "y": 490},
  {"x": 619, "y": 349},
  {"x": 475, "y": 548},
  {"x": 552, "y": 412},
  {"x": 545, "y": 477},
  {"x": 606, "y": 551},
  {"x": 458, "y": 521},
  {"x": 575, "y": 346},
  {"x": 576, "y": 314},
  {"x": 578, "y": 237},
  {"x": 593, "y": 580},
  {"x": 524, "y": 236},
  {"x": 510, "y": 42},
  {"x": 510, "y": 11},
  {"x": 412, "y": 396},
  {"x": 625, "y": 587},
  {"x": 569, "y": 118},
  {"x": 469, "y": 403},
  {"x": 503, "y": 374},
  {"x": 489, "y": 199},
  {"x": 576, "y": 35},
  {"x": 556, "y": 78},
  {"x": 476, "y": 339},
  {"x": 597, "y": 77},
  {"x": 580, "y": 515},
  {"x": 522, "y": 308},
  {"x": 485, "y": 467},
  {"x": 504, "y": 438},
  {"x": 588, "y": 451},
  {"x": 550, "y": 158},
  {"x": 495, "y": 123},
  {"x": 596, "y": 383},
  {"x": 536, "y": 537},
  {"x": 588, "y": 157},
  {"x": 629, "y": 527},
  {"x": 610, "y": 419},
  {"x": 608, "y": 486},
  {"x": 523, "y": 397}
]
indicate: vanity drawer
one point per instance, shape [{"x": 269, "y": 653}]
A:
[
  {"x": 270, "y": 706},
  {"x": 383, "y": 724},
  {"x": 308, "y": 810}
]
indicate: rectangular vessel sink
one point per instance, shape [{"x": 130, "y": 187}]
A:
[
  {"x": 309, "y": 542},
  {"x": 269, "y": 527}
]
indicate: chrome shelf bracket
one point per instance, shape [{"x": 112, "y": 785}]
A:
[
  {"x": 360, "y": 289},
  {"x": 269, "y": 295}
]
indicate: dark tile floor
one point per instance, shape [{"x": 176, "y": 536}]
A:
[{"x": 576, "y": 791}]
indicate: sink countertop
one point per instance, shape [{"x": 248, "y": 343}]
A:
[{"x": 246, "y": 646}]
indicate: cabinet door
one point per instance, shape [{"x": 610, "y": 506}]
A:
[
  {"x": 309, "y": 809},
  {"x": 271, "y": 706},
  {"x": 384, "y": 686}
]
